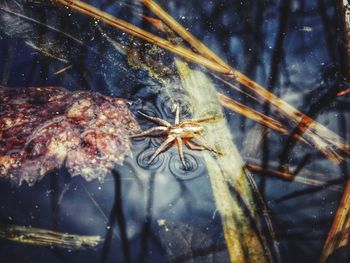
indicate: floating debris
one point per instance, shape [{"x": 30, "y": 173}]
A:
[
  {"x": 44, "y": 237},
  {"x": 42, "y": 129}
]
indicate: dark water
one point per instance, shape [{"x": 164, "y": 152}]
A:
[{"x": 291, "y": 47}]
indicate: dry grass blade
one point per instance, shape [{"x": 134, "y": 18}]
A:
[
  {"x": 258, "y": 169},
  {"x": 344, "y": 92},
  {"x": 155, "y": 22},
  {"x": 185, "y": 34},
  {"x": 306, "y": 176},
  {"x": 291, "y": 177},
  {"x": 254, "y": 115},
  {"x": 58, "y": 72},
  {"x": 323, "y": 138},
  {"x": 44, "y": 237},
  {"x": 140, "y": 33},
  {"x": 338, "y": 235}
]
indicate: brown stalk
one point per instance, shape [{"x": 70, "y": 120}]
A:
[
  {"x": 254, "y": 115},
  {"x": 291, "y": 177},
  {"x": 338, "y": 235},
  {"x": 307, "y": 177},
  {"x": 337, "y": 240},
  {"x": 259, "y": 169},
  {"x": 305, "y": 124},
  {"x": 343, "y": 92},
  {"x": 181, "y": 31}
]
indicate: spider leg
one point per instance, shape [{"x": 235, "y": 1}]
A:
[
  {"x": 155, "y": 119},
  {"x": 149, "y": 131},
  {"x": 161, "y": 148},
  {"x": 190, "y": 147},
  {"x": 180, "y": 150},
  {"x": 207, "y": 118},
  {"x": 205, "y": 145},
  {"x": 177, "y": 114}
]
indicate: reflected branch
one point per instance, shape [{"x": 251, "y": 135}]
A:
[{"x": 116, "y": 215}]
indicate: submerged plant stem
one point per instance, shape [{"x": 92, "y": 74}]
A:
[{"x": 44, "y": 237}]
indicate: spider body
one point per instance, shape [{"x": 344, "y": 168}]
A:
[
  {"x": 184, "y": 132},
  {"x": 186, "y": 129}
]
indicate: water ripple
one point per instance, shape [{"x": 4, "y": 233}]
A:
[
  {"x": 167, "y": 107},
  {"x": 144, "y": 156},
  {"x": 194, "y": 168}
]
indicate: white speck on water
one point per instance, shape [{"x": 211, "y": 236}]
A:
[{"x": 306, "y": 29}]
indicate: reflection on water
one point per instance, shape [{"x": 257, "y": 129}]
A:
[{"x": 162, "y": 212}]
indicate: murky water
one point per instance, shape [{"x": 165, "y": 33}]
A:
[{"x": 143, "y": 210}]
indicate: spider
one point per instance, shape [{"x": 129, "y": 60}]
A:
[{"x": 180, "y": 132}]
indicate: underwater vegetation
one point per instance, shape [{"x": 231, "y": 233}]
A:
[{"x": 252, "y": 94}]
